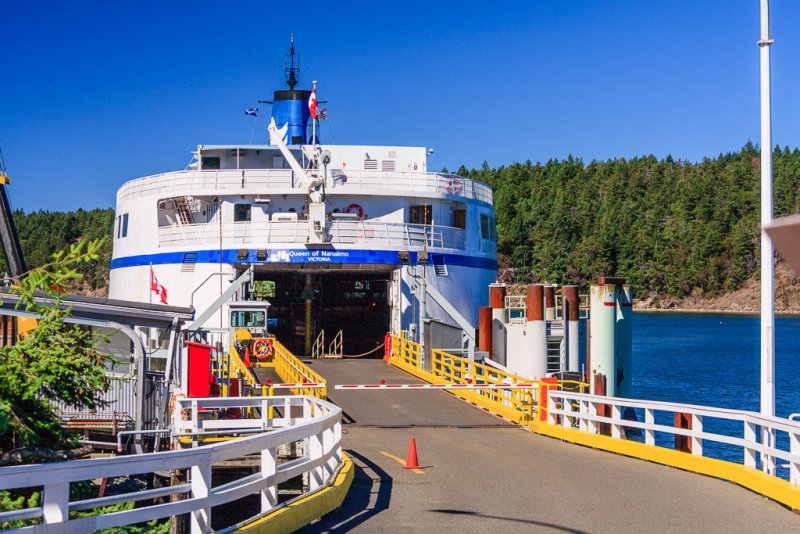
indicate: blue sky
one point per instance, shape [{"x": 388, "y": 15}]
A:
[{"x": 94, "y": 94}]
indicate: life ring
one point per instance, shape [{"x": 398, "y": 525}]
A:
[
  {"x": 262, "y": 349},
  {"x": 356, "y": 207},
  {"x": 453, "y": 186}
]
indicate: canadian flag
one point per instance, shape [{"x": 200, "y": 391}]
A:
[
  {"x": 157, "y": 288},
  {"x": 312, "y": 104}
]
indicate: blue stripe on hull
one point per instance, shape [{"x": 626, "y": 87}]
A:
[{"x": 278, "y": 256}]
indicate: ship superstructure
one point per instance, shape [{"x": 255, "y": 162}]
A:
[{"x": 341, "y": 237}]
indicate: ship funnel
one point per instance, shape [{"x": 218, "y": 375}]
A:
[{"x": 290, "y": 107}]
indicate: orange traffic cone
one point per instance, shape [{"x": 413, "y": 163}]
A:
[
  {"x": 247, "y": 362},
  {"x": 412, "y": 462}
]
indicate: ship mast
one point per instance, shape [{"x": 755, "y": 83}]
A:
[{"x": 291, "y": 66}]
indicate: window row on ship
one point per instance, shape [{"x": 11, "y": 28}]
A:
[{"x": 448, "y": 223}]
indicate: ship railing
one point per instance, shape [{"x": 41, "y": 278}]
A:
[
  {"x": 411, "y": 182},
  {"x": 300, "y": 418},
  {"x": 260, "y": 181},
  {"x": 768, "y": 444},
  {"x": 516, "y": 309},
  {"x": 367, "y": 233}
]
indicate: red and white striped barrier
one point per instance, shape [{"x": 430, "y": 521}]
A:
[
  {"x": 290, "y": 385},
  {"x": 435, "y": 386}
]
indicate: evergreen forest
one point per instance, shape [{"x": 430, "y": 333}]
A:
[
  {"x": 42, "y": 233},
  {"x": 668, "y": 226}
]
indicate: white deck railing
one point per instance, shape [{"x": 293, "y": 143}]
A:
[
  {"x": 319, "y": 422},
  {"x": 268, "y": 181},
  {"x": 374, "y": 234},
  {"x": 777, "y": 441}
]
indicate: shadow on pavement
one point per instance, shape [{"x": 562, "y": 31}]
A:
[
  {"x": 371, "y": 483},
  {"x": 526, "y": 521}
]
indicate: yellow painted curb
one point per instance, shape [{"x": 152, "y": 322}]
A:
[
  {"x": 773, "y": 487},
  {"x": 301, "y": 512}
]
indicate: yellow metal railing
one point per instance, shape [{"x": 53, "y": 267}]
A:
[
  {"x": 514, "y": 404},
  {"x": 518, "y": 405},
  {"x": 292, "y": 370}
]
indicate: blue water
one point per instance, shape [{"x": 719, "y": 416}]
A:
[{"x": 713, "y": 360}]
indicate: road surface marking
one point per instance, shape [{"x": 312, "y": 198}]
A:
[{"x": 401, "y": 462}]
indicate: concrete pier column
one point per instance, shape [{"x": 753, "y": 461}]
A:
[
  {"x": 624, "y": 345},
  {"x": 602, "y": 336},
  {"x": 549, "y": 303},
  {"x": 536, "y": 331},
  {"x": 485, "y": 329},
  {"x": 497, "y": 302},
  {"x": 571, "y": 326}
]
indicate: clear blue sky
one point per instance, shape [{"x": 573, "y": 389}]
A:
[{"x": 94, "y": 94}]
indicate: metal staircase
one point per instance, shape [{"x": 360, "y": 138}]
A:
[{"x": 182, "y": 210}]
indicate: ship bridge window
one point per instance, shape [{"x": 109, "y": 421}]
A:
[
  {"x": 210, "y": 162},
  {"x": 241, "y": 212},
  {"x": 421, "y": 215},
  {"x": 485, "y": 226},
  {"x": 248, "y": 319}
]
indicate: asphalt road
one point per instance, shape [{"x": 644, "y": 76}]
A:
[{"x": 484, "y": 475}]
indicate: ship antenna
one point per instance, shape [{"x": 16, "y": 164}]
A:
[{"x": 291, "y": 66}]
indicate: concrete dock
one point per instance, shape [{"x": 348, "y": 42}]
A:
[{"x": 482, "y": 474}]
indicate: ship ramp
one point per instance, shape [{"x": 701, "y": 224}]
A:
[{"x": 481, "y": 473}]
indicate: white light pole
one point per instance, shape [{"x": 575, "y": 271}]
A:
[{"x": 767, "y": 251}]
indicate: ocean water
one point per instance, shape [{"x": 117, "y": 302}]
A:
[{"x": 713, "y": 360}]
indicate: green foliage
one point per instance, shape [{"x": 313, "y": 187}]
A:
[
  {"x": 78, "y": 491},
  {"x": 668, "y": 226},
  {"x": 56, "y": 361},
  {"x": 42, "y": 233}
]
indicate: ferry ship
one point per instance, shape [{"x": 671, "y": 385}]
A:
[{"x": 357, "y": 239}]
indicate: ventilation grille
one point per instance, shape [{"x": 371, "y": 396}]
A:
[
  {"x": 439, "y": 267},
  {"x": 370, "y": 164},
  {"x": 387, "y": 165},
  {"x": 392, "y": 154},
  {"x": 189, "y": 261}
]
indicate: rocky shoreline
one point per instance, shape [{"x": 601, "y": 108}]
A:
[{"x": 746, "y": 300}]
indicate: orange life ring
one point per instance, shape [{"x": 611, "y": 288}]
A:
[
  {"x": 262, "y": 349},
  {"x": 356, "y": 207},
  {"x": 453, "y": 186}
]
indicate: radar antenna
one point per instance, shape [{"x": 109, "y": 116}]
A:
[{"x": 291, "y": 66}]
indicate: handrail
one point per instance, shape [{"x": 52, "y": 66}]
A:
[
  {"x": 369, "y": 232},
  {"x": 321, "y": 425},
  {"x": 263, "y": 181},
  {"x": 336, "y": 347},
  {"x": 514, "y": 404},
  {"x": 582, "y": 411},
  {"x": 318, "y": 350},
  {"x": 292, "y": 370}
]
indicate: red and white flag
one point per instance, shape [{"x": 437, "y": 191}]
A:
[
  {"x": 157, "y": 288},
  {"x": 312, "y": 104}
]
